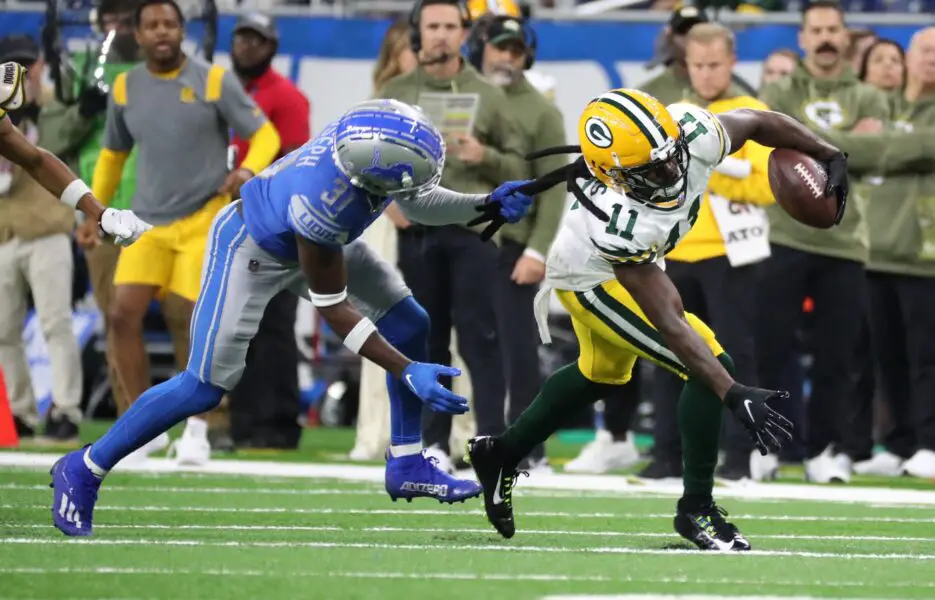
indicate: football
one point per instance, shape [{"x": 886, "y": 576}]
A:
[{"x": 798, "y": 183}]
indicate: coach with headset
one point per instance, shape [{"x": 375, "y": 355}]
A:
[
  {"x": 449, "y": 269},
  {"x": 503, "y": 48}
]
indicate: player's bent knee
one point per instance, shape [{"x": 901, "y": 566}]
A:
[
  {"x": 204, "y": 396},
  {"x": 407, "y": 321}
]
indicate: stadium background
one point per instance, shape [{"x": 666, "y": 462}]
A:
[{"x": 331, "y": 58}]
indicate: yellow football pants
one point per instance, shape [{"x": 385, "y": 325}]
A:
[{"x": 613, "y": 332}]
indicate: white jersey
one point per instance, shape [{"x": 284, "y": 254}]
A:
[{"x": 586, "y": 249}]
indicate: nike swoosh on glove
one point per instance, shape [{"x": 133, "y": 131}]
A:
[
  {"x": 123, "y": 225},
  {"x": 836, "y": 167},
  {"x": 769, "y": 429},
  {"x": 506, "y": 204},
  {"x": 422, "y": 379}
]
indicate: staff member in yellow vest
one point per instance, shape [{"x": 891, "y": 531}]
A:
[
  {"x": 714, "y": 266},
  {"x": 177, "y": 111}
]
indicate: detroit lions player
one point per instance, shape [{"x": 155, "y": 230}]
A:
[{"x": 301, "y": 217}]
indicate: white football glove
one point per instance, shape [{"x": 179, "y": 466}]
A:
[
  {"x": 123, "y": 225},
  {"x": 12, "y": 86}
]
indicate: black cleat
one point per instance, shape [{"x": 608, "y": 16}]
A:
[
  {"x": 497, "y": 477},
  {"x": 708, "y": 529}
]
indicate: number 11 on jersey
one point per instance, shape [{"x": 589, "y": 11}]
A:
[{"x": 612, "y": 227}]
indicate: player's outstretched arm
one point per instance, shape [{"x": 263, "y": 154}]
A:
[
  {"x": 442, "y": 206},
  {"x": 61, "y": 182},
  {"x": 656, "y": 294},
  {"x": 660, "y": 301},
  {"x": 325, "y": 270},
  {"x": 777, "y": 130}
]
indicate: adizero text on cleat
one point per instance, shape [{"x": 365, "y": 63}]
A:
[{"x": 418, "y": 476}]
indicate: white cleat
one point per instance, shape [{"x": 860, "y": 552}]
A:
[
  {"x": 825, "y": 468},
  {"x": 191, "y": 450},
  {"x": 604, "y": 454},
  {"x": 885, "y": 464},
  {"x": 921, "y": 465},
  {"x": 763, "y": 468},
  {"x": 139, "y": 456}
]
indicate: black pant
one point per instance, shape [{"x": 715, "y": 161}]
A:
[
  {"x": 903, "y": 326},
  {"x": 722, "y": 297},
  {"x": 838, "y": 288},
  {"x": 450, "y": 272},
  {"x": 518, "y": 334},
  {"x": 621, "y": 405},
  {"x": 264, "y": 405}
]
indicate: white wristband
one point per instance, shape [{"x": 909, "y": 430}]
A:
[
  {"x": 736, "y": 168},
  {"x": 358, "y": 336},
  {"x": 75, "y": 191},
  {"x": 324, "y": 300}
]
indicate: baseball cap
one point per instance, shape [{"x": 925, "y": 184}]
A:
[
  {"x": 19, "y": 48},
  {"x": 505, "y": 29},
  {"x": 686, "y": 17},
  {"x": 260, "y": 23}
]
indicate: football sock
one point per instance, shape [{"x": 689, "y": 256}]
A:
[
  {"x": 564, "y": 391},
  {"x": 699, "y": 418},
  {"x": 156, "y": 411},
  {"x": 406, "y": 327}
]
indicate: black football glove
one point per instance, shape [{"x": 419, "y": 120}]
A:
[
  {"x": 836, "y": 167},
  {"x": 92, "y": 102},
  {"x": 769, "y": 429}
]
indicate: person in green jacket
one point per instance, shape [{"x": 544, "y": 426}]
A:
[
  {"x": 827, "y": 265},
  {"x": 901, "y": 271},
  {"x": 500, "y": 47},
  {"x": 82, "y": 125},
  {"x": 449, "y": 269}
]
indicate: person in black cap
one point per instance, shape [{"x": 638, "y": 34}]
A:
[{"x": 264, "y": 406}]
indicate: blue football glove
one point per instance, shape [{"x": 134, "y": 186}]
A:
[
  {"x": 422, "y": 379},
  {"x": 506, "y": 204}
]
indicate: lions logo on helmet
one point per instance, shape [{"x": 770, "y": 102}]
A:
[{"x": 631, "y": 144}]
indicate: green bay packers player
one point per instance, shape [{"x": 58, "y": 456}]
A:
[{"x": 645, "y": 168}]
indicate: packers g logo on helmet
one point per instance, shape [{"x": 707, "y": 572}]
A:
[
  {"x": 631, "y": 143},
  {"x": 598, "y": 133}
]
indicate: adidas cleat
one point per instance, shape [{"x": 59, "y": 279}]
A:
[
  {"x": 74, "y": 494},
  {"x": 418, "y": 476},
  {"x": 497, "y": 477},
  {"x": 708, "y": 529}
]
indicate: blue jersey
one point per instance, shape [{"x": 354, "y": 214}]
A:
[{"x": 304, "y": 193}]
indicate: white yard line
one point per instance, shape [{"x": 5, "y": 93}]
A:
[
  {"x": 463, "y": 513},
  {"x": 451, "y": 548},
  {"x": 480, "y": 530},
  {"x": 563, "y": 482},
  {"x": 683, "y": 597},
  {"x": 464, "y": 576}
]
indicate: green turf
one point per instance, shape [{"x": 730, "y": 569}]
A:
[
  {"x": 324, "y": 444},
  {"x": 201, "y": 536}
]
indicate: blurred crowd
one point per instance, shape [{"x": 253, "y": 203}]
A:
[{"x": 839, "y": 318}]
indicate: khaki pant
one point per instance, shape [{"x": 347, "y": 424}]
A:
[
  {"x": 373, "y": 416},
  {"x": 102, "y": 262},
  {"x": 43, "y": 266}
]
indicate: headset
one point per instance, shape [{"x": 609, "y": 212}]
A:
[
  {"x": 474, "y": 46},
  {"x": 415, "y": 15}
]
